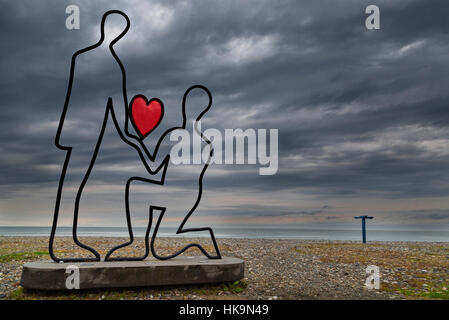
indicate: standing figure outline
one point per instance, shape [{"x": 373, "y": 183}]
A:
[{"x": 143, "y": 152}]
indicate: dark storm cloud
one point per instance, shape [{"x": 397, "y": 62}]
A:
[
  {"x": 360, "y": 113},
  {"x": 430, "y": 214},
  {"x": 263, "y": 211}
]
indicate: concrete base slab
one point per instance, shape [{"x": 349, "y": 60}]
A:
[{"x": 49, "y": 275}]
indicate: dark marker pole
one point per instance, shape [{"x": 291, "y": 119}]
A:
[{"x": 364, "y": 226}]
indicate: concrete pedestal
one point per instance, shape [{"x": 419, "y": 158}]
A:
[{"x": 48, "y": 275}]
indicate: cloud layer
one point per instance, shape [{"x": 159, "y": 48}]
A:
[{"x": 362, "y": 115}]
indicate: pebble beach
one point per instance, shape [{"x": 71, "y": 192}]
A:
[{"x": 274, "y": 269}]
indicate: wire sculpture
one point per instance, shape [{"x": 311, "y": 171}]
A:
[{"x": 143, "y": 153}]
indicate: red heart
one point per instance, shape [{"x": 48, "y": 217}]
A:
[{"x": 146, "y": 115}]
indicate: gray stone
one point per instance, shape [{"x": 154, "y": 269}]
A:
[{"x": 49, "y": 275}]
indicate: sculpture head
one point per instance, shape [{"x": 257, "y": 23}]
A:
[
  {"x": 114, "y": 25},
  {"x": 195, "y": 111}
]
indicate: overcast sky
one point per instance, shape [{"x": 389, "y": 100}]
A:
[{"x": 363, "y": 116}]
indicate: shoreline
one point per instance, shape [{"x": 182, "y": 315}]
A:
[
  {"x": 234, "y": 238},
  {"x": 392, "y": 233},
  {"x": 274, "y": 268}
]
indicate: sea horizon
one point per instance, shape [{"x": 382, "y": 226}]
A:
[{"x": 350, "y": 232}]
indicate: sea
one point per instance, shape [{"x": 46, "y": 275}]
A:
[{"x": 426, "y": 233}]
